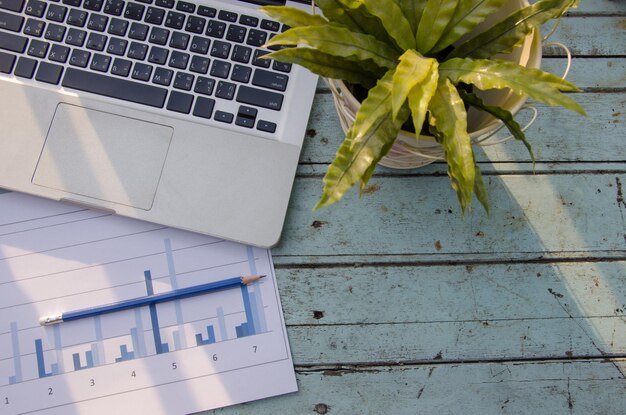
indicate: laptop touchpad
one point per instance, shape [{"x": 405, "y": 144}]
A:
[{"x": 103, "y": 156}]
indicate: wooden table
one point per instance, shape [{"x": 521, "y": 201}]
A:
[{"x": 395, "y": 304}]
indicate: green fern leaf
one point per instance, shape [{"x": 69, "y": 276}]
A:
[
  {"x": 449, "y": 118},
  {"x": 293, "y": 17},
  {"x": 480, "y": 189},
  {"x": 367, "y": 141},
  {"x": 503, "y": 36},
  {"x": 468, "y": 15},
  {"x": 412, "y": 70},
  {"x": 503, "y": 115},
  {"x": 339, "y": 41},
  {"x": 393, "y": 19},
  {"x": 353, "y": 15},
  {"x": 420, "y": 97},
  {"x": 364, "y": 73},
  {"x": 435, "y": 19},
  {"x": 497, "y": 74}
]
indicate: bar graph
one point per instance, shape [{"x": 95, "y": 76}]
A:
[{"x": 206, "y": 341}]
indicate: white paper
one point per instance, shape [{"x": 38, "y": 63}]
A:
[{"x": 177, "y": 357}]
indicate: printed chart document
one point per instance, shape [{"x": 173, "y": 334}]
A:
[{"x": 177, "y": 357}]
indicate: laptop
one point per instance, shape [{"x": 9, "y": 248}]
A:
[{"x": 159, "y": 110}]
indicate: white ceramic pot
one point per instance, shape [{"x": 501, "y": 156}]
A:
[{"x": 410, "y": 152}]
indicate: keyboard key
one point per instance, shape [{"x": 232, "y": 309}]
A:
[
  {"x": 75, "y": 3},
  {"x": 183, "y": 81},
  {"x": 154, "y": 15},
  {"x": 158, "y": 55},
  {"x": 38, "y": 48},
  {"x": 59, "y": 53},
  {"x": 207, "y": 11},
  {"x": 79, "y": 58},
  {"x": 179, "y": 60},
  {"x": 220, "y": 49},
  {"x": 270, "y": 25},
  {"x": 165, "y": 3},
  {"x": 77, "y": 17},
  {"x": 241, "y": 73},
  {"x": 96, "y": 41},
  {"x": 204, "y": 85},
  {"x": 49, "y": 73},
  {"x": 121, "y": 67},
  {"x": 97, "y": 22},
  {"x": 75, "y": 37},
  {"x": 259, "y": 98},
  {"x": 271, "y": 80},
  {"x": 186, "y": 7},
  {"x": 25, "y": 67},
  {"x": 95, "y": 5},
  {"x": 245, "y": 111},
  {"x": 179, "y": 40},
  {"x": 35, "y": 8},
  {"x": 256, "y": 38},
  {"x": 236, "y": 33},
  {"x": 220, "y": 69},
  {"x": 12, "y": 43},
  {"x": 117, "y": 46},
  {"x": 134, "y": 11},
  {"x": 225, "y": 90},
  {"x": 180, "y": 102},
  {"x": 216, "y": 29},
  {"x": 175, "y": 20},
  {"x": 137, "y": 51},
  {"x": 244, "y": 122},
  {"x": 138, "y": 31},
  {"x": 11, "y": 22},
  {"x": 204, "y": 107},
  {"x": 162, "y": 76},
  {"x": 199, "y": 45},
  {"x": 100, "y": 62},
  {"x": 257, "y": 61},
  {"x": 34, "y": 27},
  {"x": 124, "y": 89},
  {"x": 55, "y": 32},
  {"x": 117, "y": 27},
  {"x": 267, "y": 126},
  {"x": 222, "y": 116},
  {"x": 241, "y": 54},
  {"x": 227, "y": 16},
  {"x": 199, "y": 64},
  {"x": 158, "y": 35},
  {"x": 195, "y": 24},
  {"x": 6, "y": 62},
  {"x": 141, "y": 71},
  {"x": 56, "y": 13},
  {"x": 248, "y": 20},
  {"x": 281, "y": 66},
  {"x": 114, "y": 7},
  {"x": 13, "y": 5}
]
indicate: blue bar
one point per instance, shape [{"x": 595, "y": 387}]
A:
[
  {"x": 58, "y": 346},
  {"x": 221, "y": 321},
  {"x": 41, "y": 366},
  {"x": 125, "y": 354},
  {"x": 159, "y": 346},
  {"x": 137, "y": 334},
  {"x": 248, "y": 309},
  {"x": 88, "y": 357},
  {"x": 97, "y": 348},
  {"x": 260, "y": 325},
  {"x": 17, "y": 362},
  {"x": 211, "y": 337}
]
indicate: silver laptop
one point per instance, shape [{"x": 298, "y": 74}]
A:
[{"x": 160, "y": 110}]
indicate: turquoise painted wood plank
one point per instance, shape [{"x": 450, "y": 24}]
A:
[
  {"x": 390, "y": 294},
  {"x": 596, "y": 7},
  {"x": 420, "y": 215},
  {"x": 556, "y": 134},
  {"x": 592, "y": 35},
  {"x": 579, "y": 388}
]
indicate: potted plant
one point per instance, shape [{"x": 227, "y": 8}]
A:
[{"x": 421, "y": 64}]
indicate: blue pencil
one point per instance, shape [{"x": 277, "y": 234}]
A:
[{"x": 149, "y": 299}]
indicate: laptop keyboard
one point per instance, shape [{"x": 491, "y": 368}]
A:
[{"x": 175, "y": 55}]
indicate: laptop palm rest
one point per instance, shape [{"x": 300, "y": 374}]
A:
[{"x": 98, "y": 155}]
